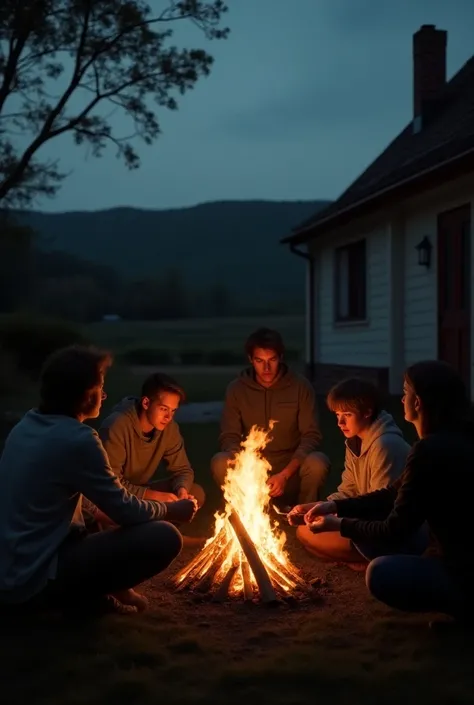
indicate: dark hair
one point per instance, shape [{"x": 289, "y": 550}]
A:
[
  {"x": 443, "y": 394},
  {"x": 67, "y": 378},
  {"x": 265, "y": 338},
  {"x": 355, "y": 394},
  {"x": 157, "y": 383}
]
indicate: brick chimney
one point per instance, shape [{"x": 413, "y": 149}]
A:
[{"x": 429, "y": 70}]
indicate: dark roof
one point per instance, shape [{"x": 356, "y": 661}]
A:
[{"x": 445, "y": 136}]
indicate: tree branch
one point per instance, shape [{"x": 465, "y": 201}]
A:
[{"x": 122, "y": 66}]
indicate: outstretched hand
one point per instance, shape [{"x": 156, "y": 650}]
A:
[
  {"x": 183, "y": 510},
  {"x": 276, "y": 484},
  {"x": 298, "y": 513},
  {"x": 325, "y": 523},
  {"x": 310, "y": 512}
]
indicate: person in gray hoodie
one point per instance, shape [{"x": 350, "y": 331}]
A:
[
  {"x": 376, "y": 453},
  {"x": 267, "y": 391},
  {"x": 51, "y": 460},
  {"x": 141, "y": 437}
]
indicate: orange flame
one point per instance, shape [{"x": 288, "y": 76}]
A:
[{"x": 247, "y": 493}]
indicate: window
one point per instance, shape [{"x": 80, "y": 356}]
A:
[{"x": 350, "y": 282}]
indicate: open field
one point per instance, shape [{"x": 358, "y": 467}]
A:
[
  {"x": 160, "y": 346},
  {"x": 202, "y": 334}
]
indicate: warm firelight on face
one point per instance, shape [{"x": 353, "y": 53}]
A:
[{"x": 246, "y": 494}]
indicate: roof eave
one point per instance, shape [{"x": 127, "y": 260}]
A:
[{"x": 422, "y": 181}]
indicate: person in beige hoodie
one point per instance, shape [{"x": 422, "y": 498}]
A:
[
  {"x": 375, "y": 457},
  {"x": 268, "y": 390}
]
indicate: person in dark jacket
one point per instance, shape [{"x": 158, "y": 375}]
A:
[
  {"x": 437, "y": 403},
  {"x": 269, "y": 391}
]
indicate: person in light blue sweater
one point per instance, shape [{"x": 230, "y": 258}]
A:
[{"x": 51, "y": 461}]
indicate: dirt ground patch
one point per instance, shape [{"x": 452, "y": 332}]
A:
[{"x": 345, "y": 647}]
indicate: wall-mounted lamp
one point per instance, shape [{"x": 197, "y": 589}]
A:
[{"x": 424, "y": 252}]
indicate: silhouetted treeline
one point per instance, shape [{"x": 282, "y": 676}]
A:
[{"x": 61, "y": 284}]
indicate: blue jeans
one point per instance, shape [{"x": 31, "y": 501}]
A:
[{"x": 415, "y": 584}]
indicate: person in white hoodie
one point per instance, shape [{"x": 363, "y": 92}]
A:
[
  {"x": 375, "y": 457},
  {"x": 51, "y": 460}
]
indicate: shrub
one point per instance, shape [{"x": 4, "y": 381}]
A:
[
  {"x": 147, "y": 356},
  {"x": 30, "y": 340}
]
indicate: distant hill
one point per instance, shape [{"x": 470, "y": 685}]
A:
[{"x": 235, "y": 243}]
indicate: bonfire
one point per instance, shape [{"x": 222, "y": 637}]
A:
[{"x": 246, "y": 555}]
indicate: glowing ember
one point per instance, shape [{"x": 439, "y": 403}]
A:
[{"x": 229, "y": 561}]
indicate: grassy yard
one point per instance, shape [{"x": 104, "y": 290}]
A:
[
  {"x": 195, "y": 333},
  {"x": 346, "y": 649}
]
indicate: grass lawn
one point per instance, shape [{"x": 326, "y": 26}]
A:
[
  {"x": 346, "y": 649},
  {"x": 202, "y": 334}
]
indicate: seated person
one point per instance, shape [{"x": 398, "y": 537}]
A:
[
  {"x": 437, "y": 403},
  {"x": 50, "y": 460},
  {"x": 266, "y": 391},
  {"x": 375, "y": 457},
  {"x": 140, "y": 435}
]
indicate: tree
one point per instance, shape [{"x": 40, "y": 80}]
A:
[
  {"x": 65, "y": 65},
  {"x": 15, "y": 265}
]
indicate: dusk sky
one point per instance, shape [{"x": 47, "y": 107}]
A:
[{"x": 302, "y": 97}]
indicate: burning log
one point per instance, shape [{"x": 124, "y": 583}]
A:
[
  {"x": 223, "y": 591},
  {"x": 212, "y": 569},
  {"x": 247, "y": 550},
  {"x": 247, "y": 580},
  {"x": 267, "y": 593},
  {"x": 188, "y": 574}
]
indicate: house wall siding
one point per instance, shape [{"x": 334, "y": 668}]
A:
[
  {"x": 421, "y": 285},
  {"x": 388, "y": 340},
  {"x": 364, "y": 344},
  {"x": 420, "y": 291}
]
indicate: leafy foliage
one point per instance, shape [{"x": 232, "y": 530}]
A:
[{"x": 67, "y": 65}]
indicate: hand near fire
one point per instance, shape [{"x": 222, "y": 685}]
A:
[
  {"x": 183, "y": 510},
  {"x": 310, "y": 512},
  {"x": 277, "y": 484},
  {"x": 329, "y": 522}
]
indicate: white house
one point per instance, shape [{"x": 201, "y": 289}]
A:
[{"x": 390, "y": 261}]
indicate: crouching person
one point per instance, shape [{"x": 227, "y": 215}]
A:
[
  {"x": 50, "y": 460},
  {"x": 266, "y": 390},
  {"x": 375, "y": 457},
  {"x": 437, "y": 402},
  {"x": 141, "y": 437}
]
